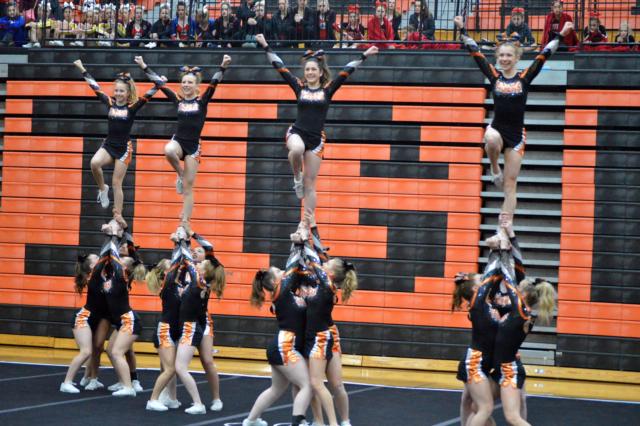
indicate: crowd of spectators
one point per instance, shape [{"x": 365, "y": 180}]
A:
[{"x": 289, "y": 25}]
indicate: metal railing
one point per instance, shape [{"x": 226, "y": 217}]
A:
[{"x": 343, "y": 23}]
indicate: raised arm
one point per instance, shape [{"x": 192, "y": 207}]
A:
[
  {"x": 142, "y": 100},
  {"x": 487, "y": 68},
  {"x": 293, "y": 81},
  {"x": 532, "y": 71},
  {"x": 349, "y": 69},
  {"x": 93, "y": 83},
  {"x": 159, "y": 82},
  {"x": 216, "y": 79}
]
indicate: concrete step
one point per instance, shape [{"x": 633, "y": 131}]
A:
[
  {"x": 532, "y": 262},
  {"x": 525, "y": 229},
  {"x": 523, "y": 195},
  {"x": 543, "y": 180},
  {"x": 538, "y": 357},
  {"x": 530, "y": 246},
  {"x": 523, "y": 212}
]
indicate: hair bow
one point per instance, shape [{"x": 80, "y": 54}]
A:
[
  {"x": 190, "y": 70},
  {"x": 205, "y": 9},
  {"x": 109, "y": 6},
  {"x": 353, "y": 8},
  {"x": 381, "y": 4},
  {"x": 539, "y": 281},
  {"x": 318, "y": 55},
  {"x": 517, "y": 10},
  {"x": 594, "y": 14},
  {"x": 82, "y": 257},
  {"x": 124, "y": 76},
  {"x": 165, "y": 6},
  {"x": 348, "y": 266},
  {"x": 261, "y": 274},
  {"x": 42, "y": 4},
  {"x": 125, "y": 7},
  {"x": 68, "y": 5},
  {"x": 461, "y": 277}
]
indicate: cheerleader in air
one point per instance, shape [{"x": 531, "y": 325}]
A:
[
  {"x": 192, "y": 111},
  {"x": 306, "y": 138},
  {"x": 117, "y": 148},
  {"x": 510, "y": 87}
]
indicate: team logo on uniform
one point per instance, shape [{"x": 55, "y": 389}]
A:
[
  {"x": 119, "y": 113},
  {"x": 509, "y": 87},
  {"x": 315, "y": 96},
  {"x": 106, "y": 286},
  {"x": 180, "y": 290},
  {"x": 299, "y": 301},
  {"x": 188, "y": 107}
]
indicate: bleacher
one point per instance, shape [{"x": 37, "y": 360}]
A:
[{"x": 402, "y": 193}]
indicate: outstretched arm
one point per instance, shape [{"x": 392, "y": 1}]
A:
[
  {"x": 92, "y": 83},
  {"x": 530, "y": 73},
  {"x": 293, "y": 81},
  {"x": 487, "y": 69},
  {"x": 349, "y": 69},
  {"x": 216, "y": 79},
  {"x": 160, "y": 81}
]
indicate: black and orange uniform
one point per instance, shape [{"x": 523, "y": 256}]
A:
[
  {"x": 313, "y": 104},
  {"x": 290, "y": 310},
  {"x": 116, "y": 287},
  {"x": 323, "y": 255},
  {"x": 95, "y": 307},
  {"x": 510, "y": 94},
  {"x": 118, "y": 143},
  {"x": 195, "y": 296},
  {"x": 168, "y": 329},
  {"x": 476, "y": 365},
  {"x": 320, "y": 300},
  {"x": 514, "y": 325},
  {"x": 206, "y": 321},
  {"x": 191, "y": 113}
]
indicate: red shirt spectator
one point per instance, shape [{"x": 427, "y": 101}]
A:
[
  {"x": 380, "y": 28},
  {"x": 555, "y": 22}
]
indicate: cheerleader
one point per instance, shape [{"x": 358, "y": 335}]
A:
[
  {"x": 195, "y": 282},
  {"x": 117, "y": 148},
  {"x": 510, "y": 88},
  {"x": 508, "y": 371},
  {"x": 192, "y": 112},
  {"x": 305, "y": 138},
  {"x": 284, "y": 353}
]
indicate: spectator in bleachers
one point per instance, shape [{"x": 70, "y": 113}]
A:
[
  {"x": 555, "y": 22},
  {"x": 625, "y": 35},
  {"x": 12, "y": 30},
  {"x": 245, "y": 11},
  {"x": 161, "y": 29},
  {"x": 255, "y": 25},
  {"x": 394, "y": 17},
  {"x": 86, "y": 27},
  {"x": 595, "y": 32},
  {"x": 108, "y": 26},
  {"x": 302, "y": 21},
  {"x": 518, "y": 29},
  {"x": 353, "y": 30},
  {"x": 125, "y": 13},
  {"x": 422, "y": 26},
  {"x": 138, "y": 28},
  {"x": 226, "y": 26},
  {"x": 182, "y": 27},
  {"x": 204, "y": 28},
  {"x": 379, "y": 27},
  {"x": 66, "y": 28},
  {"x": 38, "y": 28},
  {"x": 324, "y": 20},
  {"x": 282, "y": 25}
]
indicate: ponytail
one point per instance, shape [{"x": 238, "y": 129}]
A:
[
  {"x": 214, "y": 272},
  {"x": 344, "y": 277},
  {"x": 261, "y": 281},
  {"x": 82, "y": 271},
  {"x": 463, "y": 290},
  {"x": 156, "y": 275},
  {"x": 133, "y": 92},
  {"x": 542, "y": 294},
  {"x": 139, "y": 272}
]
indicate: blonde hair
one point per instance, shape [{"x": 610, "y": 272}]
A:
[
  {"x": 543, "y": 295},
  {"x": 215, "y": 275},
  {"x": 517, "y": 49},
  {"x": 197, "y": 75},
  {"x": 155, "y": 277},
  {"x": 463, "y": 290},
  {"x": 345, "y": 277},
  {"x": 131, "y": 88}
]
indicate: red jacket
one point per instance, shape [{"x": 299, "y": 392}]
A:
[
  {"x": 376, "y": 32},
  {"x": 570, "y": 39}
]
